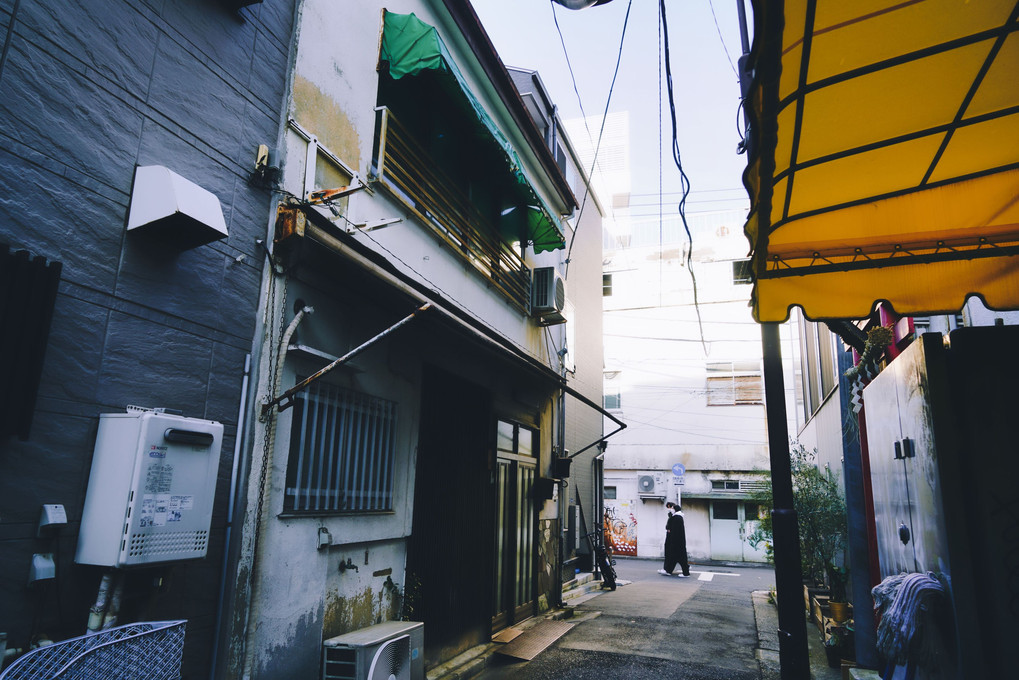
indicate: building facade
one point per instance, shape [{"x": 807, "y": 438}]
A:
[
  {"x": 408, "y": 457},
  {"x": 130, "y": 134},
  {"x": 340, "y": 273},
  {"x": 683, "y": 371},
  {"x": 852, "y": 426}
]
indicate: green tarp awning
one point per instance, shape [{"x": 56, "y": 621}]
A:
[{"x": 410, "y": 46}]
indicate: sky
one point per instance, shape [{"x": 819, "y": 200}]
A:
[{"x": 703, "y": 55}]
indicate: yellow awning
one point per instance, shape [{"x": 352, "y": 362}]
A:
[{"x": 884, "y": 156}]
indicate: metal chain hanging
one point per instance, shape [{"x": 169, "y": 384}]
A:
[{"x": 274, "y": 352}]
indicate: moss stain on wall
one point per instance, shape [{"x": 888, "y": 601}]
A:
[
  {"x": 345, "y": 614},
  {"x": 368, "y": 607},
  {"x": 321, "y": 115}
]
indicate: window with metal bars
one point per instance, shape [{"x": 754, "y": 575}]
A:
[{"x": 341, "y": 452}]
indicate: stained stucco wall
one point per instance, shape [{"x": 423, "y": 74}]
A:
[{"x": 300, "y": 596}]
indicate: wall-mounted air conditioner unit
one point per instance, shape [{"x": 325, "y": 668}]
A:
[
  {"x": 651, "y": 485},
  {"x": 390, "y": 650},
  {"x": 548, "y": 295}
]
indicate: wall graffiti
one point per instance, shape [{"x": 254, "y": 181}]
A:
[{"x": 620, "y": 527}]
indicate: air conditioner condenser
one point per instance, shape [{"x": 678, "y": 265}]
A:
[{"x": 394, "y": 649}]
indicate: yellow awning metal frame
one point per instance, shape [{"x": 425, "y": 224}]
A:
[{"x": 884, "y": 156}]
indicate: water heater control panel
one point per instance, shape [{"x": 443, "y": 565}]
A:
[{"x": 151, "y": 489}]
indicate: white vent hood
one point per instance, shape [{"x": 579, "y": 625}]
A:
[{"x": 174, "y": 210}]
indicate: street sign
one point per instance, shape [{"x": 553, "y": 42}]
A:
[{"x": 679, "y": 469}]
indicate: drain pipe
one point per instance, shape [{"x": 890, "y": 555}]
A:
[
  {"x": 98, "y": 610},
  {"x": 563, "y": 503},
  {"x": 264, "y": 488},
  {"x": 242, "y": 423}
]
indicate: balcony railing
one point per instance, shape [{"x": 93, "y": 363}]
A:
[{"x": 404, "y": 168}]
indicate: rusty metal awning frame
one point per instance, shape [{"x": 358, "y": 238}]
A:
[
  {"x": 298, "y": 222},
  {"x": 286, "y": 400}
]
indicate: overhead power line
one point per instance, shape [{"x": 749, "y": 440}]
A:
[
  {"x": 684, "y": 180},
  {"x": 605, "y": 114},
  {"x": 725, "y": 49}
]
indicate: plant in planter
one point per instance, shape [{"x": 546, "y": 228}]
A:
[
  {"x": 834, "y": 645},
  {"x": 838, "y": 602},
  {"x": 821, "y": 515}
]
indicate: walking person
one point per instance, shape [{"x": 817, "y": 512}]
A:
[{"x": 675, "y": 542}]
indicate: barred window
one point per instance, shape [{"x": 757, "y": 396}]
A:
[
  {"x": 733, "y": 383},
  {"x": 341, "y": 452}
]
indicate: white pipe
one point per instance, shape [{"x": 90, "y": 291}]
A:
[
  {"x": 98, "y": 610},
  {"x": 265, "y": 490},
  {"x": 113, "y": 611}
]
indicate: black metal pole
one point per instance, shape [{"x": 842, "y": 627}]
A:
[{"x": 792, "y": 625}]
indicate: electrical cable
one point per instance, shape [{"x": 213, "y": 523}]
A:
[
  {"x": 698, "y": 191},
  {"x": 601, "y": 132},
  {"x": 725, "y": 49},
  {"x": 696, "y": 434},
  {"x": 684, "y": 180},
  {"x": 583, "y": 114},
  {"x": 661, "y": 172},
  {"x": 569, "y": 65}
]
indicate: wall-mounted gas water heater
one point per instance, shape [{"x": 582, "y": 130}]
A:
[{"x": 151, "y": 489}]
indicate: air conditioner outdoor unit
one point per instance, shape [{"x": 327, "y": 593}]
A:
[
  {"x": 651, "y": 485},
  {"x": 394, "y": 649},
  {"x": 548, "y": 295}
]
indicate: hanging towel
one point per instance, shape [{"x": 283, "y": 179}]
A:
[{"x": 912, "y": 608}]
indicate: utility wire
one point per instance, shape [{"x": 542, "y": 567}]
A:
[
  {"x": 698, "y": 191},
  {"x": 569, "y": 65},
  {"x": 594, "y": 160},
  {"x": 684, "y": 180},
  {"x": 10, "y": 36},
  {"x": 722, "y": 40},
  {"x": 661, "y": 170}
]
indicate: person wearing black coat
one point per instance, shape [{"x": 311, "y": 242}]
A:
[{"x": 675, "y": 542}]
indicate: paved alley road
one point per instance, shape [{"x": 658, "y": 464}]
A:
[{"x": 697, "y": 628}]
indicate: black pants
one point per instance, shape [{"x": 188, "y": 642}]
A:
[{"x": 672, "y": 561}]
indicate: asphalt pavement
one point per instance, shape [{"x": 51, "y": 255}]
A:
[{"x": 655, "y": 626}]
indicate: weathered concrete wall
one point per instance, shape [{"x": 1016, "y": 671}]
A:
[
  {"x": 299, "y": 593},
  {"x": 89, "y": 91},
  {"x": 334, "y": 97}
]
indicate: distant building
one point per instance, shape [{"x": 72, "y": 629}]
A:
[{"x": 686, "y": 379}]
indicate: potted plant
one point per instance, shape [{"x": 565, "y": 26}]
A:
[
  {"x": 834, "y": 644},
  {"x": 821, "y": 516},
  {"x": 838, "y": 603}
]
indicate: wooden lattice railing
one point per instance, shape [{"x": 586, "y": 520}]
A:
[{"x": 405, "y": 170}]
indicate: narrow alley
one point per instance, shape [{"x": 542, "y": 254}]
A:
[{"x": 654, "y": 626}]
